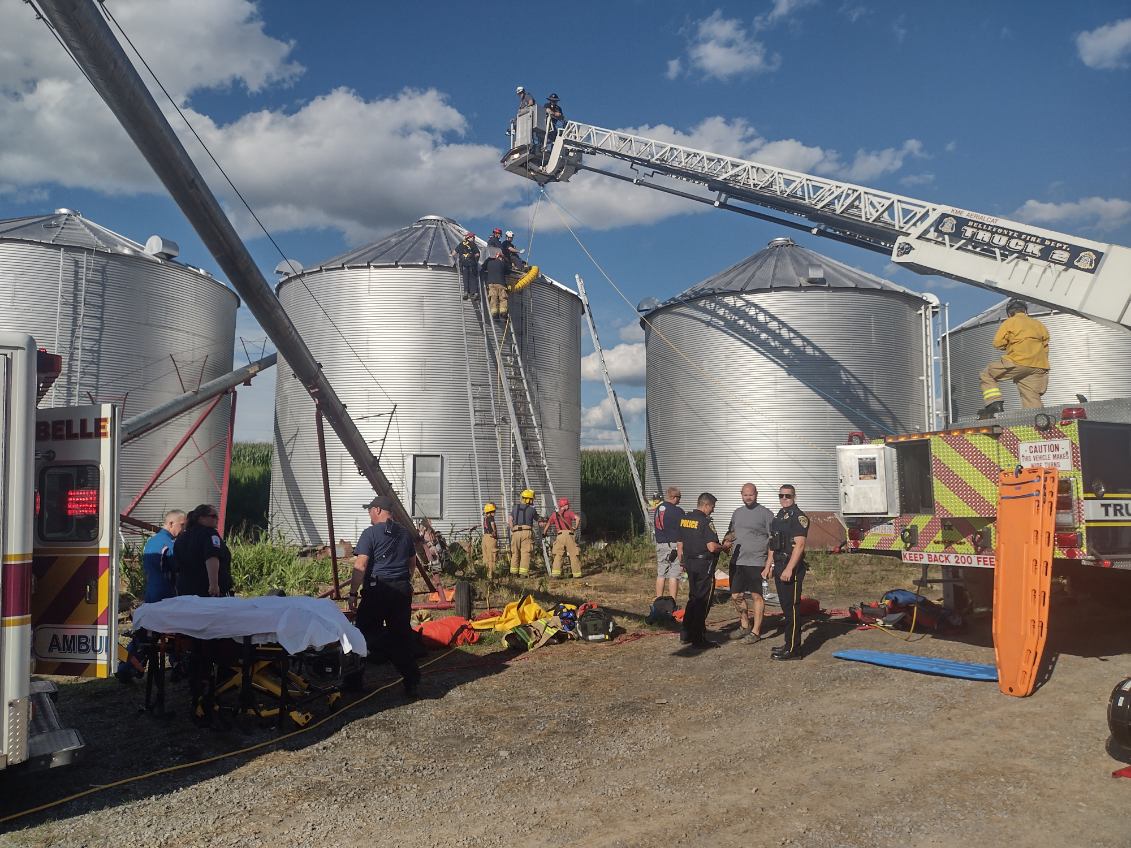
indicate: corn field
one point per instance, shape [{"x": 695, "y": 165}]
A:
[
  {"x": 608, "y": 496},
  {"x": 250, "y": 489}
]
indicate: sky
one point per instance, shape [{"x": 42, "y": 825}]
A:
[{"x": 343, "y": 121}]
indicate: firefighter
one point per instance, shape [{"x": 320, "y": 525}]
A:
[
  {"x": 785, "y": 560},
  {"x": 564, "y": 522},
  {"x": 701, "y": 549},
  {"x": 490, "y": 538},
  {"x": 555, "y": 117},
  {"x": 521, "y": 522},
  {"x": 1025, "y": 342},
  {"x": 512, "y": 254},
  {"x": 495, "y": 276},
  {"x": 467, "y": 255},
  {"x": 525, "y": 98},
  {"x": 495, "y": 242}
]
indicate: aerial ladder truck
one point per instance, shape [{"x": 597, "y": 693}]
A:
[{"x": 931, "y": 497}]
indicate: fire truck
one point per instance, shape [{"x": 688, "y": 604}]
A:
[{"x": 59, "y": 536}]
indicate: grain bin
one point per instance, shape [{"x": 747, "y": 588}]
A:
[
  {"x": 1084, "y": 358},
  {"x": 388, "y": 325},
  {"x": 132, "y": 325},
  {"x": 758, "y": 373}
]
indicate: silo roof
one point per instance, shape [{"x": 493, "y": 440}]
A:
[
  {"x": 66, "y": 227},
  {"x": 784, "y": 264},
  {"x": 996, "y": 314},
  {"x": 427, "y": 242}
]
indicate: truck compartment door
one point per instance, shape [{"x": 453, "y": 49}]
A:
[
  {"x": 74, "y": 606},
  {"x": 868, "y": 480}
]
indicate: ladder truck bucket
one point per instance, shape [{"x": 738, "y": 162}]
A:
[{"x": 528, "y": 156}]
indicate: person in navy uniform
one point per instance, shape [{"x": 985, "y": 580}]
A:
[
  {"x": 381, "y": 571},
  {"x": 665, "y": 524},
  {"x": 785, "y": 560},
  {"x": 204, "y": 563},
  {"x": 701, "y": 549}
]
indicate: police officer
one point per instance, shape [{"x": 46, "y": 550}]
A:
[
  {"x": 381, "y": 570},
  {"x": 786, "y": 562},
  {"x": 555, "y": 117},
  {"x": 701, "y": 549},
  {"x": 490, "y": 538},
  {"x": 204, "y": 563},
  {"x": 466, "y": 254},
  {"x": 521, "y": 522}
]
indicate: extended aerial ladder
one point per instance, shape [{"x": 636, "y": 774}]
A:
[{"x": 1069, "y": 273}]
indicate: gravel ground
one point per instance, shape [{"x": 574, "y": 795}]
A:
[{"x": 638, "y": 743}]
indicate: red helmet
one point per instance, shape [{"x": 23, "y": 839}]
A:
[
  {"x": 497, "y": 230},
  {"x": 469, "y": 235},
  {"x": 563, "y": 502}
]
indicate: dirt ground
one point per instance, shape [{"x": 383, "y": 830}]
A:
[{"x": 640, "y": 742}]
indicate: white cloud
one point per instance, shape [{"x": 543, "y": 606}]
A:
[
  {"x": 951, "y": 146},
  {"x": 853, "y": 11},
  {"x": 625, "y": 363},
  {"x": 925, "y": 178},
  {"x": 631, "y": 332},
  {"x": 600, "y": 417},
  {"x": 781, "y": 11},
  {"x": 899, "y": 28},
  {"x": 675, "y": 68},
  {"x": 1102, "y": 213},
  {"x": 294, "y": 172},
  {"x": 1107, "y": 47},
  {"x": 722, "y": 48},
  {"x": 603, "y": 204}
]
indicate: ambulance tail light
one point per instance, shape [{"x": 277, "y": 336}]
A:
[
  {"x": 81, "y": 503},
  {"x": 1064, "y": 541},
  {"x": 1073, "y": 413}
]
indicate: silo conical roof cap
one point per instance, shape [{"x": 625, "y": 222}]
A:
[
  {"x": 784, "y": 264},
  {"x": 67, "y": 228},
  {"x": 429, "y": 241}
]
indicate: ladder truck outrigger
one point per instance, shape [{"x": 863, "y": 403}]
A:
[{"x": 931, "y": 497}]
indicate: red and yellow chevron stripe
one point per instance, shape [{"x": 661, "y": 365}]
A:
[{"x": 72, "y": 590}]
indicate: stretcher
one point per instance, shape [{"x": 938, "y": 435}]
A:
[{"x": 269, "y": 659}]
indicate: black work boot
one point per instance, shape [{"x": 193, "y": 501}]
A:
[{"x": 991, "y": 409}]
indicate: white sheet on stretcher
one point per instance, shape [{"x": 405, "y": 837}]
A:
[{"x": 296, "y": 623}]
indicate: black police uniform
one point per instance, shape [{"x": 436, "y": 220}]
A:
[
  {"x": 696, "y": 530},
  {"x": 384, "y": 614},
  {"x": 467, "y": 253},
  {"x": 789, "y": 523},
  {"x": 191, "y": 551}
]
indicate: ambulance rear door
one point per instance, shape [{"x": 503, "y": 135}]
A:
[{"x": 74, "y": 608}]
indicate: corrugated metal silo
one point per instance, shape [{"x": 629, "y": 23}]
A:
[
  {"x": 789, "y": 352},
  {"x": 1084, "y": 358},
  {"x": 125, "y": 321},
  {"x": 397, "y": 303}
]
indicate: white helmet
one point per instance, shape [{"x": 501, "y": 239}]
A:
[
  {"x": 510, "y": 234},
  {"x": 519, "y": 90}
]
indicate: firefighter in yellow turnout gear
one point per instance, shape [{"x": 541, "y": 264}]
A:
[
  {"x": 564, "y": 521},
  {"x": 521, "y": 522},
  {"x": 1025, "y": 343},
  {"x": 490, "y": 538}
]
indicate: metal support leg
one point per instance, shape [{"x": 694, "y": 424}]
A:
[
  {"x": 326, "y": 496},
  {"x": 226, "y": 479}
]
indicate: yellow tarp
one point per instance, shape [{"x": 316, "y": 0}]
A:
[{"x": 513, "y": 614}]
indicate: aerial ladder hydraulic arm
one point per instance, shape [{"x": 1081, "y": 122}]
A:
[{"x": 1066, "y": 272}]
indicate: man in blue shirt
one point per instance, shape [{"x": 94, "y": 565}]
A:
[
  {"x": 669, "y": 550},
  {"x": 157, "y": 558},
  {"x": 382, "y": 572}
]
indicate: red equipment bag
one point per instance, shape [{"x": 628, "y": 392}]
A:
[{"x": 447, "y": 632}]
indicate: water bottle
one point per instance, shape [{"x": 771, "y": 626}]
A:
[{"x": 765, "y": 587}]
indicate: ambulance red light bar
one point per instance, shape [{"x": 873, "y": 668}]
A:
[
  {"x": 81, "y": 503},
  {"x": 1066, "y": 540},
  {"x": 1073, "y": 413},
  {"x": 990, "y": 430}
]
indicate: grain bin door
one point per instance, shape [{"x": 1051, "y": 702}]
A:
[{"x": 74, "y": 608}]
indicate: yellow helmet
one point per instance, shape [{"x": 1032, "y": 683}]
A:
[
  {"x": 527, "y": 494},
  {"x": 488, "y": 507}
]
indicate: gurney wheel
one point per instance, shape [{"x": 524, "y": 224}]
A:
[{"x": 463, "y": 599}]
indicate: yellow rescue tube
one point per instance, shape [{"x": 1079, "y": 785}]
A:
[{"x": 526, "y": 279}]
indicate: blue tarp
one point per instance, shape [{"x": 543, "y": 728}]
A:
[{"x": 925, "y": 665}]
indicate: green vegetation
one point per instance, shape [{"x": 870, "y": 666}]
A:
[
  {"x": 264, "y": 564},
  {"x": 608, "y": 495},
  {"x": 250, "y": 489}
]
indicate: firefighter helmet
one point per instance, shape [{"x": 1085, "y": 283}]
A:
[
  {"x": 519, "y": 90},
  {"x": 488, "y": 507},
  {"x": 497, "y": 230},
  {"x": 1016, "y": 305},
  {"x": 527, "y": 494},
  {"x": 510, "y": 234},
  {"x": 563, "y": 502},
  {"x": 470, "y": 235}
]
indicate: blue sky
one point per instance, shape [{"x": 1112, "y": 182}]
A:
[{"x": 344, "y": 121}]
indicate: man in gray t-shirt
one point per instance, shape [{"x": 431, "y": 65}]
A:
[{"x": 750, "y": 529}]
